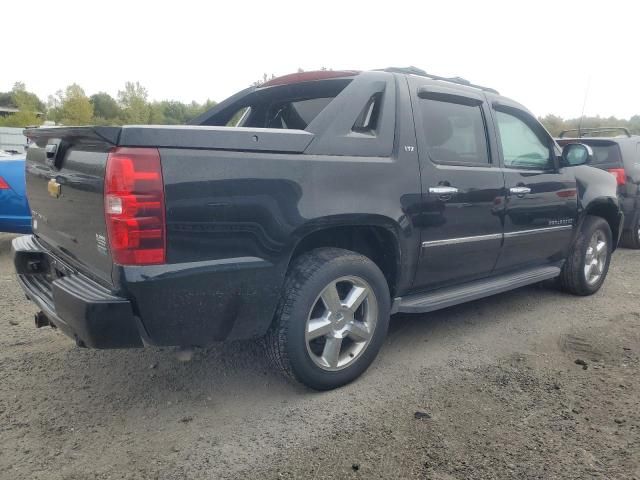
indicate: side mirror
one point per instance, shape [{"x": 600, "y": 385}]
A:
[{"x": 576, "y": 154}]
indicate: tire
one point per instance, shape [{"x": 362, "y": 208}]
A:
[
  {"x": 575, "y": 277},
  {"x": 631, "y": 238},
  {"x": 306, "y": 333}
]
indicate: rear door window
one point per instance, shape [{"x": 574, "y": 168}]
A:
[{"x": 454, "y": 133}]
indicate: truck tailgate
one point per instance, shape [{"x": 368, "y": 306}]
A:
[{"x": 65, "y": 171}]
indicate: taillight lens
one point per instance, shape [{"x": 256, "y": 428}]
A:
[
  {"x": 3, "y": 184},
  {"x": 134, "y": 206},
  {"x": 621, "y": 177}
]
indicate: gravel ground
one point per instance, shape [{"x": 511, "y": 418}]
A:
[{"x": 486, "y": 390}]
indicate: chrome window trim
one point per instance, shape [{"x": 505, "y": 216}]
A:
[{"x": 494, "y": 236}]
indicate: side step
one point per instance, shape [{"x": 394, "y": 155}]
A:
[{"x": 447, "y": 297}]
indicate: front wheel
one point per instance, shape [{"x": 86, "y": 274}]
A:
[
  {"x": 332, "y": 318},
  {"x": 586, "y": 267}
]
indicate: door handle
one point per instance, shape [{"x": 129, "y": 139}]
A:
[
  {"x": 443, "y": 190},
  {"x": 520, "y": 191}
]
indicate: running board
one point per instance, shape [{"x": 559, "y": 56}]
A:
[{"x": 447, "y": 297}]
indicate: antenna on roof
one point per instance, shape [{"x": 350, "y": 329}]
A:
[{"x": 584, "y": 103}]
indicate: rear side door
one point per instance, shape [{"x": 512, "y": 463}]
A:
[
  {"x": 541, "y": 198},
  {"x": 462, "y": 185}
]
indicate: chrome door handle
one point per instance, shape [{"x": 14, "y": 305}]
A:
[
  {"x": 520, "y": 191},
  {"x": 442, "y": 190}
]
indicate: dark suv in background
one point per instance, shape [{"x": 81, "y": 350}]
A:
[{"x": 620, "y": 156}]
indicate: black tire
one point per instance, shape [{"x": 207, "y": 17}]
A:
[
  {"x": 631, "y": 238},
  {"x": 573, "y": 278},
  {"x": 306, "y": 279}
]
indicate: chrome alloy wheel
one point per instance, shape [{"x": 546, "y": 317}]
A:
[
  {"x": 596, "y": 257},
  {"x": 341, "y": 323}
]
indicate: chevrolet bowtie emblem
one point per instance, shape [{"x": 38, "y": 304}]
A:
[{"x": 55, "y": 189}]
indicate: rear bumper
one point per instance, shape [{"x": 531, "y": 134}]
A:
[
  {"x": 185, "y": 304},
  {"x": 79, "y": 307}
]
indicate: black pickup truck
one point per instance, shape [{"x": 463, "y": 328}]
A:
[{"x": 339, "y": 198}]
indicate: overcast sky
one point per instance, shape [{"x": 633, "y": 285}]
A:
[{"x": 543, "y": 54}]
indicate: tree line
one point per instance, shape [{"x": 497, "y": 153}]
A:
[{"x": 72, "y": 106}]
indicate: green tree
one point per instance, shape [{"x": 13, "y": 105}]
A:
[
  {"x": 6, "y": 100},
  {"x": 553, "y": 124},
  {"x": 21, "y": 119},
  {"x": 75, "y": 107},
  {"x": 22, "y": 98},
  {"x": 105, "y": 108},
  {"x": 133, "y": 101},
  {"x": 29, "y": 105},
  {"x": 157, "y": 114}
]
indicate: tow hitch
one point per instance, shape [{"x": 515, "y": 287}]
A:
[{"x": 41, "y": 320}]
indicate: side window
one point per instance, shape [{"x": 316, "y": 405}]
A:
[
  {"x": 367, "y": 121},
  {"x": 454, "y": 133},
  {"x": 522, "y": 146}
]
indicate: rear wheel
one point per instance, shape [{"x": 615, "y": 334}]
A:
[
  {"x": 631, "y": 239},
  {"x": 332, "y": 318},
  {"x": 586, "y": 267}
]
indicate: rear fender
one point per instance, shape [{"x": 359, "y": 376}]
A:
[
  {"x": 405, "y": 252},
  {"x": 597, "y": 195}
]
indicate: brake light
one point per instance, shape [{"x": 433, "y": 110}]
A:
[
  {"x": 134, "y": 206},
  {"x": 3, "y": 184},
  {"x": 621, "y": 177}
]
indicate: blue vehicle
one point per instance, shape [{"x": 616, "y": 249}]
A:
[{"x": 15, "y": 215}]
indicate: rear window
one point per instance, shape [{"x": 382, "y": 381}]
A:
[
  {"x": 296, "y": 114},
  {"x": 605, "y": 154},
  {"x": 292, "y": 106}
]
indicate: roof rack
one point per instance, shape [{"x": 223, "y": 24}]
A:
[
  {"x": 583, "y": 132},
  {"x": 457, "y": 80}
]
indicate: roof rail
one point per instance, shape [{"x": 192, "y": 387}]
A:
[
  {"x": 582, "y": 132},
  {"x": 457, "y": 80}
]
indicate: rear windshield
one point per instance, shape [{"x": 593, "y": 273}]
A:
[
  {"x": 605, "y": 154},
  {"x": 292, "y": 106}
]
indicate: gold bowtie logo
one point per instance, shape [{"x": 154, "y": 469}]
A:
[{"x": 55, "y": 189}]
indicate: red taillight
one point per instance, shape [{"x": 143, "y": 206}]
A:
[
  {"x": 134, "y": 206},
  {"x": 621, "y": 177},
  {"x": 3, "y": 184}
]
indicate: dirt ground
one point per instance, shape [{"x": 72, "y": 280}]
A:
[{"x": 487, "y": 390}]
